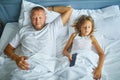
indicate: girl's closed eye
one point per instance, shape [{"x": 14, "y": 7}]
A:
[{"x": 89, "y": 27}]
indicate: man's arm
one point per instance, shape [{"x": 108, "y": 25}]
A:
[
  {"x": 20, "y": 61},
  {"x": 64, "y": 11},
  {"x": 9, "y": 51}
]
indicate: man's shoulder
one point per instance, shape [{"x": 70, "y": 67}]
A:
[{"x": 25, "y": 28}]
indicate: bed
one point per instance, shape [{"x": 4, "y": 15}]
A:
[{"x": 14, "y": 14}]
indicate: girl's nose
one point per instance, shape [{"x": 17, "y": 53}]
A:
[{"x": 86, "y": 28}]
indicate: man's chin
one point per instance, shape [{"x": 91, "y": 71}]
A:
[{"x": 38, "y": 28}]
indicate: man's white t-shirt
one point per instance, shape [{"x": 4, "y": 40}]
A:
[{"x": 38, "y": 42}]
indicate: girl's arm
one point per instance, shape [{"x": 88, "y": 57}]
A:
[
  {"x": 67, "y": 47},
  {"x": 97, "y": 72}
]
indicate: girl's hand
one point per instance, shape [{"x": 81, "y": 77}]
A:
[
  {"x": 21, "y": 63},
  {"x": 97, "y": 74},
  {"x": 70, "y": 57}
]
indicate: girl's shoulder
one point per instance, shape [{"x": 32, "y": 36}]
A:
[{"x": 93, "y": 38}]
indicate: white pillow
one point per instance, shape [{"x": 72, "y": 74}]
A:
[
  {"x": 96, "y": 14},
  {"x": 26, "y": 7},
  {"x": 1, "y": 61},
  {"x": 8, "y": 33},
  {"x": 50, "y": 17},
  {"x": 24, "y": 20},
  {"x": 100, "y": 16},
  {"x": 109, "y": 27}
]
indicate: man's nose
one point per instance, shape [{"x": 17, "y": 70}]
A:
[{"x": 36, "y": 19}]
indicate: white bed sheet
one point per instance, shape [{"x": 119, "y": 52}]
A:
[
  {"x": 6, "y": 65},
  {"x": 111, "y": 65},
  {"x": 110, "y": 46},
  {"x": 8, "y": 33},
  {"x": 112, "y": 61}
]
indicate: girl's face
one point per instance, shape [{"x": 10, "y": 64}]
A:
[{"x": 86, "y": 28}]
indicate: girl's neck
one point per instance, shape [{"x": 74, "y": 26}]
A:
[{"x": 83, "y": 35}]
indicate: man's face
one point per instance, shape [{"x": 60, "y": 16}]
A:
[{"x": 38, "y": 18}]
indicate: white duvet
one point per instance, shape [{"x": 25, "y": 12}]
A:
[
  {"x": 86, "y": 61},
  {"x": 61, "y": 69},
  {"x": 58, "y": 68}
]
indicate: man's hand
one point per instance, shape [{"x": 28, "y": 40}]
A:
[
  {"x": 64, "y": 11},
  {"x": 50, "y": 8},
  {"x": 21, "y": 63}
]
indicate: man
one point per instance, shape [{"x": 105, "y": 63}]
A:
[{"x": 37, "y": 43}]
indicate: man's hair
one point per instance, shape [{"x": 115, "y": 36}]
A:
[{"x": 37, "y": 8}]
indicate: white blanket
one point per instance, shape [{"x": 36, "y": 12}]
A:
[
  {"x": 62, "y": 71},
  {"x": 111, "y": 65},
  {"x": 86, "y": 61}
]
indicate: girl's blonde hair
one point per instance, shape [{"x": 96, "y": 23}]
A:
[{"x": 77, "y": 25}]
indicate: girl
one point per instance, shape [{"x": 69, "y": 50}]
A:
[{"x": 81, "y": 42}]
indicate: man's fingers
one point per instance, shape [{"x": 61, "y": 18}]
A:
[
  {"x": 23, "y": 64},
  {"x": 23, "y": 59}
]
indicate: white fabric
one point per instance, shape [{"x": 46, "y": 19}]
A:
[
  {"x": 39, "y": 46},
  {"x": 8, "y": 33},
  {"x": 109, "y": 27},
  {"x": 83, "y": 46},
  {"x": 86, "y": 61},
  {"x": 45, "y": 38},
  {"x": 96, "y": 14},
  {"x": 24, "y": 20},
  {"x": 1, "y": 61},
  {"x": 111, "y": 65},
  {"x": 111, "y": 48},
  {"x": 100, "y": 16},
  {"x": 81, "y": 43}
]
